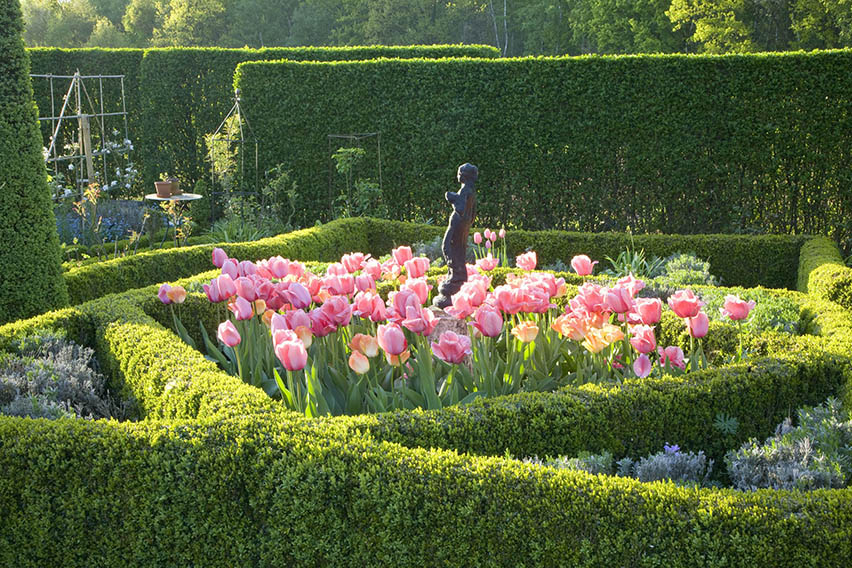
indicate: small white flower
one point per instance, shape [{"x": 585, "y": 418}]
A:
[
  {"x": 70, "y": 166},
  {"x": 127, "y": 185},
  {"x": 114, "y": 183}
]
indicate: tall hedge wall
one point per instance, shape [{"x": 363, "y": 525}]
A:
[
  {"x": 217, "y": 474},
  {"x": 31, "y": 280},
  {"x": 671, "y": 143},
  {"x": 177, "y": 95}
]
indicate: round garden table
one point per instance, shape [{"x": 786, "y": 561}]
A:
[{"x": 183, "y": 199}]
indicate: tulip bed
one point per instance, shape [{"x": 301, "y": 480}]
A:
[{"x": 216, "y": 473}]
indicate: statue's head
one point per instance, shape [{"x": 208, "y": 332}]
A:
[{"x": 468, "y": 173}]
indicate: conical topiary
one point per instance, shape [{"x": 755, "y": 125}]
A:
[{"x": 31, "y": 279}]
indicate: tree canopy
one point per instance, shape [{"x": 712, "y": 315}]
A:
[{"x": 516, "y": 27}]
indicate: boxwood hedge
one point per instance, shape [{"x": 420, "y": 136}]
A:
[{"x": 214, "y": 473}]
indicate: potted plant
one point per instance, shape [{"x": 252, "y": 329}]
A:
[
  {"x": 164, "y": 188},
  {"x": 175, "y": 185}
]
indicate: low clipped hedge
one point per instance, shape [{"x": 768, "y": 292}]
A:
[
  {"x": 217, "y": 474},
  {"x": 823, "y": 274}
]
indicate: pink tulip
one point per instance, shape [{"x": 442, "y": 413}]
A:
[
  {"x": 352, "y": 262},
  {"x": 336, "y": 269},
  {"x": 420, "y": 288},
  {"x": 643, "y": 340},
  {"x": 338, "y": 310},
  {"x": 245, "y": 288},
  {"x": 297, "y": 319},
  {"x": 231, "y": 269},
  {"x": 398, "y": 302},
  {"x": 290, "y": 350},
  {"x": 631, "y": 284},
  {"x": 642, "y": 366},
  {"x": 487, "y": 263},
  {"x": 340, "y": 285},
  {"x": 241, "y": 309},
  {"x": 370, "y": 305},
  {"x": 163, "y": 294},
  {"x": 247, "y": 268},
  {"x": 492, "y": 236},
  {"x": 477, "y": 237},
  {"x": 364, "y": 282},
  {"x": 698, "y": 325},
  {"x": 487, "y": 234},
  {"x": 488, "y": 321},
  {"x": 401, "y": 254},
  {"x": 228, "y": 334},
  {"x": 487, "y": 245},
  {"x": 451, "y": 347},
  {"x": 278, "y": 266},
  {"x": 321, "y": 323},
  {"x": 527, "y": 261},
  {"x": 417, "y": 267},
  {"x": 672, "y": 354},
  {"x": 590, "y": 296},
  {"x": 685, "y": 304},
  {"x": 736, "y": 309},
  {"x": 461, "y": 306},
  {"x": 583, "y": 265},
  {"x": 649, "y": 310},
  {"x": 372, "y": 267},
  {"x": 391, "y": 338},
  {"x": 278, "y": 322},
  {"x": 219, "y": 257},
  {"x": 295, "y": 294},
  {"x": 220, "y": 289},
  {"x": 619, "y": 300},
  {"x": 502, "y": 233},
  {"x": 422, "y": 321}
]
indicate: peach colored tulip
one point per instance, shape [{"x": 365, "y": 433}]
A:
[
  {"x": 397, "y": 360},
  {"x": 305, "y": 335},
  {"x": 366, "y": 344},
  {"x": 525, "y": 331},
  {"x": 359, "y": 363}
]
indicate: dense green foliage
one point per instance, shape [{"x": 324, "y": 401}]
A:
[
  {"x": 657, "y": 143},
  {"x": 29, "y": 255},
  {"x": 176, "y": 96},
  {"x": 517, "y": 27},
  {"x": 218, "y": 474}
]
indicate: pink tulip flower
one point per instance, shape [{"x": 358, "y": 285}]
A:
[
  {"x": 290, "y": 350},
  {"x": 487, "y": 245},
  {"x": 245, "y": 288},
  {"x": 527, "y": 261},
  {"x": 417, "y": 267},
  {"x": 619, "y": 300},
  {"x": 477, "y": 237},
  {"x": 228, "y": 334},
  {"x": 487, "y": 263},
  {"x": 422, "y": 321},
  {"x": 649, "y": 310},
  {"x": 492, "y": 236},
  {"x": 352, "y": 262},
  {"x": 420, "y": 288},
  {"x": 219, "y": 257},
  {"x": 488, "y": 321},
  {"x": 241, "y": 309},
  {"x": 698, "y": 325},
  {"x": 220, "y": 289},
  {"x": 685, "y": 304},
  {"x": 591, "y": 297},
  {"x": 338, "y": 310},
  {"x": 163, "y": 294},
  {"x": 370, "y": 305},
  {"x": 295, "y": 294},
  {"x": 401, "y": 254},
  {"x": 339, "y": 284},
  {"x": 642, "y": 366},
  {"x": 737, "y": 309},
  {"x": 321, "y": 323},
  {"x": 643, "y": 340},
  {"x": 502, "y": 233},
  {"x": 372, "y": 267},
  {"x": 451, "y": 347},
  {"x": 230, "y": 267},
  {"x": 278, "y": 266},
  {"x": 247, "y": 268},
  {"x": 364, "y": 282},
  {"x": 461, "y": 306},
  {"x": 631, "y": 284},
  {"x": 583, "y": 265},
  {"x": 336, "y": 269},
  {"x": 487, "y": 234},
  {"x": 672, "y": 354},
  {"x": 398, "y": 302},
  {"x": 391, "y": 338}
]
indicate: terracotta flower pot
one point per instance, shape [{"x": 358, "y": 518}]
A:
[{"x": 164, "y": 188}]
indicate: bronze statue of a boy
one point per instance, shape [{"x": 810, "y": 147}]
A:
[{"x": 454, "y": 247}]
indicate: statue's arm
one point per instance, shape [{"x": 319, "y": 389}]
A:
[{"x": 457, "y": 200}]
